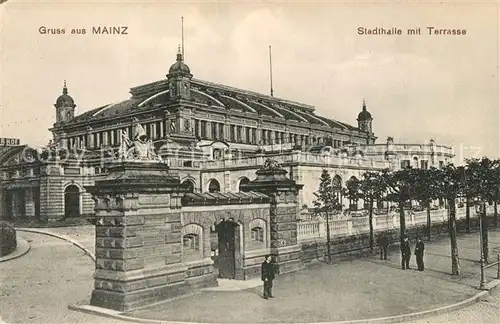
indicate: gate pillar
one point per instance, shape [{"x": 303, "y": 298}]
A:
[{"x": 283, "y": 192}]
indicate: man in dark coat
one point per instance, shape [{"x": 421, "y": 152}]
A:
[
  {"x": 405, "y": 254},
  {"x": 419, "y": 253},
  {"x": 383, "y": 242},
  {"x": 267, "y": 274}
]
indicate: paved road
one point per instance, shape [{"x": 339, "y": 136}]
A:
[
  {"x": 487, "y": 311},
  {"x": 38, "y": 287}
]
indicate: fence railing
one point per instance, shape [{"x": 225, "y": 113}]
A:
[{"x": 315, "y": 227}]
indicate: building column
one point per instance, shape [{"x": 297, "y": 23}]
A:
[
  {"x": 16, "y": 204},
  {"x": 29, "y": 203}
]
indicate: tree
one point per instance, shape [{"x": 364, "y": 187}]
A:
[
  {"x": 425, "y": 190},
  {"x": 326, "y": 202},
  {"x": 449, "y": 186},
  {"x": 398, "y": 186},
  {"x": 482, "y": 182},
  {"x": 370, "y": 188}
]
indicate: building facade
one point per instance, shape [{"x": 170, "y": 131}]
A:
[{"x": 213, "y": 136}]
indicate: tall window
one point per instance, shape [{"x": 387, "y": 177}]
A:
[
  {"x": 221, "y": 131},
  {"x": 197, "y": 128},
  {"x": 405, "y": 164},
  {"x": 214, "y": 131},
  {"x": 424, "y": 164},
  {"x": 203, "y": 129},
  {"x": 238, "y": 134}
]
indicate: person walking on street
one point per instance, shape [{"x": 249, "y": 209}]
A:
[
  {"x": 383, "y": 242},
  {"x": 419, "y": 253},
  {"x": 267, "y": 275},
  {"x": 405, "y": 254}
]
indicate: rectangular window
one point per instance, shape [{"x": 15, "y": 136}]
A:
[
  {"x": 238, "y": 134},
  {"x": 214, "y": 130},
  {"x": 221, "y": 131},
  {"x": 405, "y": 164},
  {"x": 424, "y": 164},
  {"x": 203, "y": 129},
  {"x": 263, "y": 137},
  {"x": 197, "y": 128}
]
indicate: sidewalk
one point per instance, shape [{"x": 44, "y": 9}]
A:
[{"x": 350, "y": 290}]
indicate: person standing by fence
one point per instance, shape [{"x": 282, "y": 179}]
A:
[
  {"x": 405, "y": 254},
  {"x": 383, "y": 242},
  {"x": 419, "y": 254}
]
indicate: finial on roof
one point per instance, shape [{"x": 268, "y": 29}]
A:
[
  {"x": 364, "y": 104},
  {"x": 65, "y": 88},
  {"x": 179, "y": 54}
]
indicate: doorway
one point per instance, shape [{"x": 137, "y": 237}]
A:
[
  {"x": 71, "y": 201},
  {"x": 228, "y": 246}
]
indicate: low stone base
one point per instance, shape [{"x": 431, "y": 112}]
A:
[
  {"x": 288, "y": 258},
  {"x": 121, "y": 301}
]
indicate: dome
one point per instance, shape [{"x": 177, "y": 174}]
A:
[
  {"x": 364, "y": 114},
  {"x": 179, "y": 66},
  {"x": 65, "y": 100}
]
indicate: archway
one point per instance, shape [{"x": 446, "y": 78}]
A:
[
  {"x": 71, "y": 201},
  {"x": 188, "y": 184},
  {"x": 228, "y": 238},
  {"x": 213, "y": 186},
  {"x": 243, "y": 181}
]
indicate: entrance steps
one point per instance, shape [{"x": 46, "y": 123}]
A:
[{"x": 235, "y": 285}]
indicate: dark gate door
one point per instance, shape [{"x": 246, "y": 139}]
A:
[
  {"x": 227, "y": 248},
  {"x": 72, "y": 201}
]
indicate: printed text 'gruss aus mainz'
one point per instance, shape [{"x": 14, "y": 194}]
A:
[
  {"x": 95, "y": 30},
  {"x": 429, "y": 30}
]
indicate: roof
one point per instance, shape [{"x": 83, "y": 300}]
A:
[
  {"x": 229, "y": 198},
  {"x": 216, "y": 96}
]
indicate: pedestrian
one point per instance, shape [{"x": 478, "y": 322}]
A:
[
  {"x": 405, "y": 254},
  {"x": 383, "y": 242},
  {"x": 419, "y": 254},
  {"x": 267, "y": 274}
]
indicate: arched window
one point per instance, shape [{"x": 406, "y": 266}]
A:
[
  {"x": 188, "y": 184},
  {"x": 257, "y": 234},
  {"x": 191, "y": 243},
  {"x": 415, "y": 162},
  {"x": 243, "y": 181},
  {"x": 213, "y": 186}
]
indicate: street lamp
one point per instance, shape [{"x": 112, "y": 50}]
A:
[{"x": 480, "y": 205}]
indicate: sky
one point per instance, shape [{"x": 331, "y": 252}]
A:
[{"x": 416, "y": 87}]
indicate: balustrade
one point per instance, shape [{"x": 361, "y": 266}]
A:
[{"x": 316, "y": 228}]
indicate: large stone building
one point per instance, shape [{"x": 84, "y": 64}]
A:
[{"x": 213, "y": 136}]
